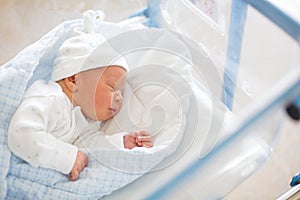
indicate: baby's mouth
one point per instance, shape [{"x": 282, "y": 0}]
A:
[{"x": 113, "y": 110}]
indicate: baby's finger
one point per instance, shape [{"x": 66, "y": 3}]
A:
[
  {"x": 81, "y": 167},
  {"x": 143, "y": 133},
  {"x": 147, "y": 144},
  {"x": 86, "y": 161},
  {"x": 74, "y": 175},
  {"x": 83, "y": 158},
  {"x": 144, "y": 139},
  {"x": 144, "y": 145}
]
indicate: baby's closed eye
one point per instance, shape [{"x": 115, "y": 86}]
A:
[{"x": 111, "y": 86}]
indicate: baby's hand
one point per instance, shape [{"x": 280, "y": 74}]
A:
[
  {"x": 137, "y": 139},
  {"x": 80, "y": 163}
]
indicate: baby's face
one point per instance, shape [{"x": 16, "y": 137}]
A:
[{"x": 100, "y": 92}]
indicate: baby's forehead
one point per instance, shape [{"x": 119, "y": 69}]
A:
[
  {"x": 115, "y": 70},
  {"x": 114, "y": 73},
  {"x": 106, "y": 73}
]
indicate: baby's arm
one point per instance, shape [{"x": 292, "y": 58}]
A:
[
  {"x": 29, "y": 139},
  {"x": 137, "y": 139}
]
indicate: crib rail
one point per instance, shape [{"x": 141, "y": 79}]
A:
[
  {"x": 238, "y": 18},
  {"x": 291, "y": 194}
]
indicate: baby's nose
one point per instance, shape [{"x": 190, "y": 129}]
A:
[{"x": 118, "y": 97}]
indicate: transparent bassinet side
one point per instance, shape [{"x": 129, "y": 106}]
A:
[{"x": 264, "y": 64}]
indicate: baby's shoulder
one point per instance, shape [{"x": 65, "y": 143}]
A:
[
  {"x": 44, "y": 96},
  {"x": 42, "y": 88}
]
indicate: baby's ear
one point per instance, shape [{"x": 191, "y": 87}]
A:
[{"x": 71, "y": 83}]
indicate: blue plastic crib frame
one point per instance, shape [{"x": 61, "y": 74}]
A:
[
  {"x": 238, "y": 18},
  {"x": 288, "y": 92}
]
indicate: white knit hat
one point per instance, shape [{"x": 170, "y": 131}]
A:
[{"x": 86, "y": 50}]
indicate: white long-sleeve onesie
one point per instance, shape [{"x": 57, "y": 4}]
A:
[{"x": 46, "y": 124}]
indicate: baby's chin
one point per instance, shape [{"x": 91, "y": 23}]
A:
[{"x": 104, "y": 118}]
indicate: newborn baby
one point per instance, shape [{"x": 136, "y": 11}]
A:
[{"x": 86, "y": 88}]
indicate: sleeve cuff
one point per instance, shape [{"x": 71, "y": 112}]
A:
[
  {"x": 116, "y": 139},
  {"x": 66, "y": 158}
]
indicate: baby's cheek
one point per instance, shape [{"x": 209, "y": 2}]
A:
[{"x": 103, "y": 101}]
